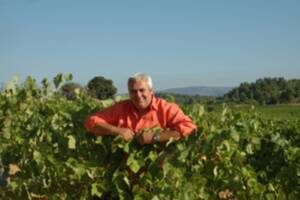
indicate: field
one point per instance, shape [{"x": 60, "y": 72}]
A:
[
  {"x": 270, "y": 112},
  {"x": 280, "y": 112},
  {"x": 238, "y": 152}
]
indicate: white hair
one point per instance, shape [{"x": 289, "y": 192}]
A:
[{"x": 141, "y": 77}]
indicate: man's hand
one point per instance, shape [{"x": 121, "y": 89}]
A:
[
  {"x": 126, "y": 133},
  {"x": 145, "y": 138}
]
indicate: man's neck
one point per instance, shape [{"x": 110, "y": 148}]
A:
[{"x": 143, "y": 111}]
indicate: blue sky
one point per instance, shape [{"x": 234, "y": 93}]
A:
[{"x": 179, "y": 43}]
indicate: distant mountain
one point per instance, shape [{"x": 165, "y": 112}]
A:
[{"x": 199, "y": 90}]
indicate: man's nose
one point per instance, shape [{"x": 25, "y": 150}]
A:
[{"x": 139, "y": 94}]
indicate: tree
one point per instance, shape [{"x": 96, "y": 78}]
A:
[
  {"x": 69, "y": 90},
  {"x": 287, "y": 95},
  {"x": 266, "y": 91},
  {"x": 101, "y": 88}
]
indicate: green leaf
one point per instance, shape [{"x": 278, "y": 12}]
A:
[
  {"x": 121, "y": 184},
  {"x": 155, "y": 198},
  {"x": 201, "y": 110},
  {"x": 37, "y": 157},
  {"x": 152, "y": 156},
  {"x": 249, "y": 149},
  {"x": 226, "y": 144},
  {"x": 68, "y": 77},
  {"x": 57, "y": 80},
  {"x": 251, "y": 182},
  {"x": 215, "y": 171},
  {"x": 71, "y": 142},
  {"x": 13, "y": 185},
  {"x": 235, "y": 135},
  {"x": 95, "y": 191},
  {"x": 271, "y": 187},
  {"x": 170, "y": 141},
  {"x": 134, "y": 164}
]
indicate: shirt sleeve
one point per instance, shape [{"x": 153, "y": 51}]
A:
[
  {"x": 107, "y": 115},
  {"x": 180, "y": 122}
]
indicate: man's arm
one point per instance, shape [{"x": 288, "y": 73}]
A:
[
  {"x": 109, "y": 115},
  {"x": 104, "y": 122},
  {"x": 102, "y": 129},
  {"x": 180, "y": 122}
]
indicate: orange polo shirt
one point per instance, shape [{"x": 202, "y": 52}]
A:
[{"x": 124, "y": 114}]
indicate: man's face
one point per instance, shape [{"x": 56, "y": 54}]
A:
[{"x": 140, "y": 94}]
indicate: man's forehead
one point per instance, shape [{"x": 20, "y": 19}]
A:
[{"x": 139, "y": 85}]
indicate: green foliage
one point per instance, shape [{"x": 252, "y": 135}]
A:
[
  {"x": 266, "y": 91},
  {"x": 71, "y": 90},
  {"x": 47, "y": 154},
  {"x": 101, "y": 88},
  {"x": 185, "y": 99}
]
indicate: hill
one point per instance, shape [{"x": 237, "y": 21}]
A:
[{"x": 199, "y": 90}]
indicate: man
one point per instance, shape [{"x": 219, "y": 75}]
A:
[{"x": 142, "y": 111}]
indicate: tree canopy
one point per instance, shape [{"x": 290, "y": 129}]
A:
[
  {"x": 101, "y": 88},
  {"x": 70, "y": 89},
  {"x": 266, "y": 91}
]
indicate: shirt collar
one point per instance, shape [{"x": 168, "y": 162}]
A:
[{"x": 153, "y": 105}]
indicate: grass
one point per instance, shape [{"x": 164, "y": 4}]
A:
[
  {"x": 280, "y": 112},
  {"x": 274, "y": 112}
]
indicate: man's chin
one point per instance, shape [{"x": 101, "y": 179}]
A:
[{"x": 140, "y": 106}]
